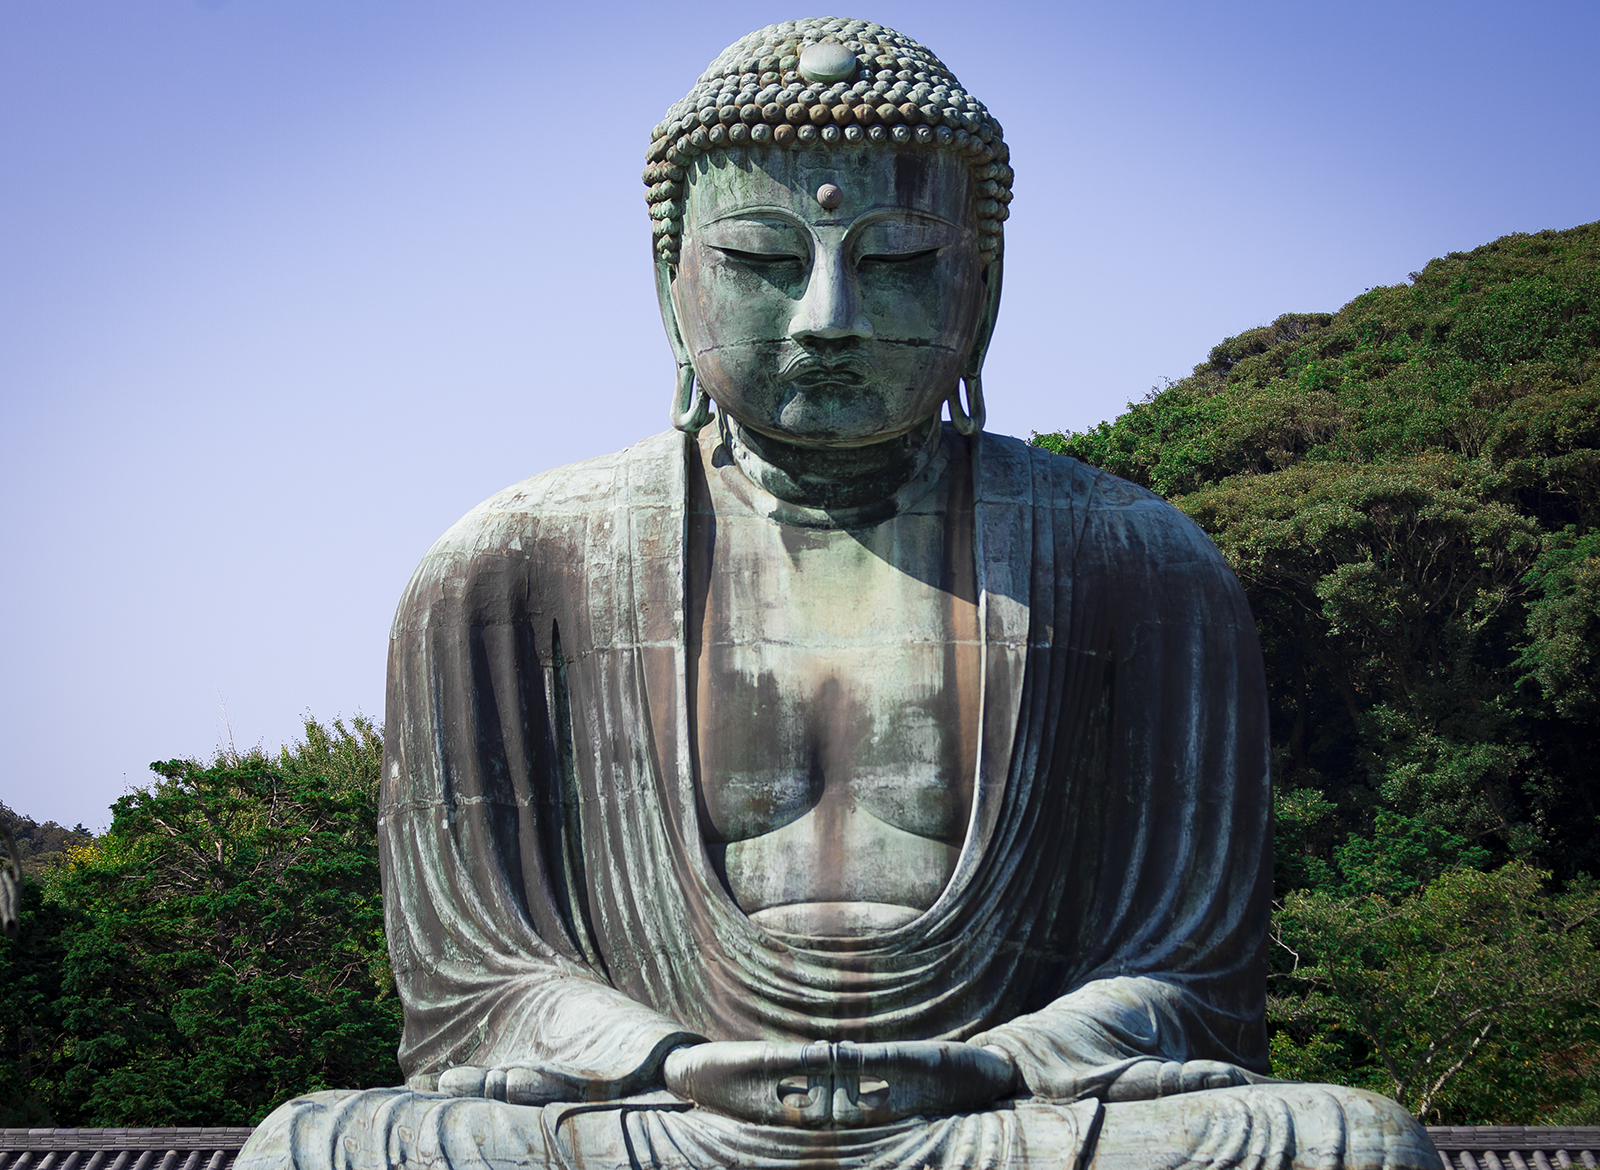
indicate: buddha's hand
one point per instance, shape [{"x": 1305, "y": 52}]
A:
[
  {"x": 514, "y": 1084},
  {"x": 742, "y": 1078},
  {"x": 838, "y": 1086},
  {"x": 1149, "y": 1079},
  {"x": 922, "y": 1078}
]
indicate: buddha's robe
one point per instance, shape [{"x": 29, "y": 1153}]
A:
[{"x": 550, "y": 903}]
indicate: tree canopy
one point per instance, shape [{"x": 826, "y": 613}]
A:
[{"x": 218, "y": 950}]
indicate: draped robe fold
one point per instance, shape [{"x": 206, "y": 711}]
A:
[{"x": 549, "y": 900}]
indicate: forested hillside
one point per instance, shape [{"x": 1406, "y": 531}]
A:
[
  {"x": 1409, "y": 490},
  {"x": 40, "y": 844}
]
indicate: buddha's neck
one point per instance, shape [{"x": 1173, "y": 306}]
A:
[{"x": 833, "y": 477}]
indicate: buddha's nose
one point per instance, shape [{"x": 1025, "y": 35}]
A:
[{"x": 831, "y": 307}]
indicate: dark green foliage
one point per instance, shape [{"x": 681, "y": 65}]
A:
[
  {"x": 221, "y": 946},
  {"x": 30, "y": 1017},
  {"x": 1409, "y": 490},
  {"x": 1473, "y": 998}
]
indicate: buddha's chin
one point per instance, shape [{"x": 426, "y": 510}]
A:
[
  {"x": 834, "y": 919},
  {"x": 834, "y": 416}
]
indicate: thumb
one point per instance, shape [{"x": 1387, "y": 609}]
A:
[{"x": 465, "y": 1080}]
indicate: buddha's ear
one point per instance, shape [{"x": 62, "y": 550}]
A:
[
  {"x": 987, "y": 316},
  {"x": 691, "y": 405},
  {"x": 666, "y": 272}
]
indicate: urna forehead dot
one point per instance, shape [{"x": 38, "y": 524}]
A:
[{"x": 827, "y": 62}]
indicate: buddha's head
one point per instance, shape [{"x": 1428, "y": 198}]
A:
[{"x": 827, "y": 206}]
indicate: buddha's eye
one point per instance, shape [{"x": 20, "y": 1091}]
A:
[
  {"x": 903, "y": 239},
  {"x": 900, "y": 257},
  {"x": 757, "y": 259},
  {"x": 758, "y": 243}
]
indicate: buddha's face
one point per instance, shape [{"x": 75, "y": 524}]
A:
[{"x": 829, "y": 326}]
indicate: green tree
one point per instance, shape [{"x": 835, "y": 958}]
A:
[
  {"x": 30, "y": 1018},
  {"x": 1471, "y": 1001},
  {"x": 222, "y": 945}
]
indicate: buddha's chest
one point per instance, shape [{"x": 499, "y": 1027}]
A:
[
  {"x": 825, "y": 673},
  {"x": 835, "y": 681}
]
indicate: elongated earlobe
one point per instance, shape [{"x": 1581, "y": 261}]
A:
[
  {"x": 968, "y": 420},
  {"x": 691, "y": 405}
]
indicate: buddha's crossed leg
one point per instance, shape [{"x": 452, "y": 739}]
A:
[{"x": 1253, "y": 1127}]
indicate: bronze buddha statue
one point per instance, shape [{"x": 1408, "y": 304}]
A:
[{"x": 819, "y": 782}]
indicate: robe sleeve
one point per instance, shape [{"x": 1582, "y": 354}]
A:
[
  {"x": 1078, "y": 1045},
  {"x": 1169, "y": 882},
  {"x": 484, "y": 897}
]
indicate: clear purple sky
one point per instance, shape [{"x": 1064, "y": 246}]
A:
[{"x": 286, "y": 286}]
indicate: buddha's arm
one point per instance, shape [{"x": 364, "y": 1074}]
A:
[
  {"x": 483, "y": 920},
  {"x": 1168, "y": 903},
  {"x": 485, "y": 980},
  {"x": 1123, "y": 1038}
]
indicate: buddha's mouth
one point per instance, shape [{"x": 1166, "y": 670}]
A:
[
  {"x": 808, "y": 372},
  {"x": 816, "y": 379}
]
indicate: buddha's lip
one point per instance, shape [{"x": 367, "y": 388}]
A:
[
  {"x": 811, "y": 370},
  {"x": 827, "y": 376}
]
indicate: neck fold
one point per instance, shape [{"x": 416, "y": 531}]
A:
[{"x": 833, "y": 478}]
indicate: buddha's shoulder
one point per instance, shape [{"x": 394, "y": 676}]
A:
[
  {"x": 563, "y": 498},
  {"x": 1015, "y": 470},
  {"x": 1110, "y": 518}
]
